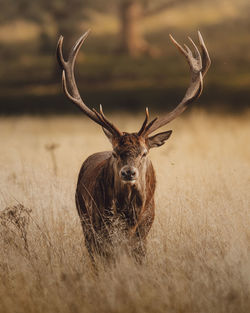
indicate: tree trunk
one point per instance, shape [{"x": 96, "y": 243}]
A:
[{"x": 132, "y": 41}]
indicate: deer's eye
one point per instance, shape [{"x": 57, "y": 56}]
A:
[
  {"x": 144, "y": 154},
  {"x": 114, "y": 154}
]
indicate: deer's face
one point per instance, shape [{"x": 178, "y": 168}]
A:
[{"x": 130, "y": 154}]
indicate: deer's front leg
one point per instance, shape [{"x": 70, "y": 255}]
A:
[{"x": 139, "y": 232}]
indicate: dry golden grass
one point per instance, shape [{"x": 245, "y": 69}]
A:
[{"x": 198, "y": 248}]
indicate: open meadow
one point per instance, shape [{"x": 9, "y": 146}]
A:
[{"x": 198, "y": 249}]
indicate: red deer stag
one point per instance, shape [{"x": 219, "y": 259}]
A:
[{"x": 119, "y": 185}]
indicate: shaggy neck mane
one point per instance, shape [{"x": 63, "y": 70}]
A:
[{"x": 126, "y": 195}]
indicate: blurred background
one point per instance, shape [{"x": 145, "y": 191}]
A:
[{"x": 128, "y": 61}]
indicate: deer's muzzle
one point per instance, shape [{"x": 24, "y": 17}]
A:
[{"x": 129, "y": 173}]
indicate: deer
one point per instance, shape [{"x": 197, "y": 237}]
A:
[{"x": 117, "y": 187}]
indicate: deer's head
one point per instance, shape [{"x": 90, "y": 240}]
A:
[
  {"x": 130, "y": 150},
  {"x": 130, "y": 153}
]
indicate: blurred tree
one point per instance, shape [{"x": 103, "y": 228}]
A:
[
  {"x": 64, "y": 15},
  {"x": 131, "y": 13},
  {"x": 132, "y": 40},
  {"x": 67, "y": 15}
]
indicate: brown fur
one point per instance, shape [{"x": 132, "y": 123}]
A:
[{"x": 104, "y": 201}]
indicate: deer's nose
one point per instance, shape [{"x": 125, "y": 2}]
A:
[{"x": 129, "y": 173}]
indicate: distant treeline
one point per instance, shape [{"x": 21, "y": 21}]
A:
[
  {"x": 128, "y": 62},
  {"x": 157, "y": 99}
]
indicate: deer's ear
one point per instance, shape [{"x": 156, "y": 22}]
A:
[{"x": 158, "y": 139}]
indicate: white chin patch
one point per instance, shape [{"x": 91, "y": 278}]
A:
[{"x": 129, "y": 182}]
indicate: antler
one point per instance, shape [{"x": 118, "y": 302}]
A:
[
  {"x": 199, "y": 65},
  {"x": 70, "y": 87}
]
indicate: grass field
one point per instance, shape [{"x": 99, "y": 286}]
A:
[{"x": 198, "y": 249}]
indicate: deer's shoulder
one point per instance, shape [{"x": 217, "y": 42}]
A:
[{"x": 94, "y": 163}]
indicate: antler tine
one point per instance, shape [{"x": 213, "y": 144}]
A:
[
  {"x": 206, "y": 61},
  {"x": 100, "y": 118},
  {"x": 59, "y": 53},
  {"x": 144, "y": 123},
  {"x": 69, "y": 84},
  {"x": 76, "y": 48},
  {"x": 199, "y": 65},
  {"x": 109, "y": 123},
  {"x": 149, "y": 126},
  {"x": 196, "y": 50},
  {"x": 103, "y": 118}
]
